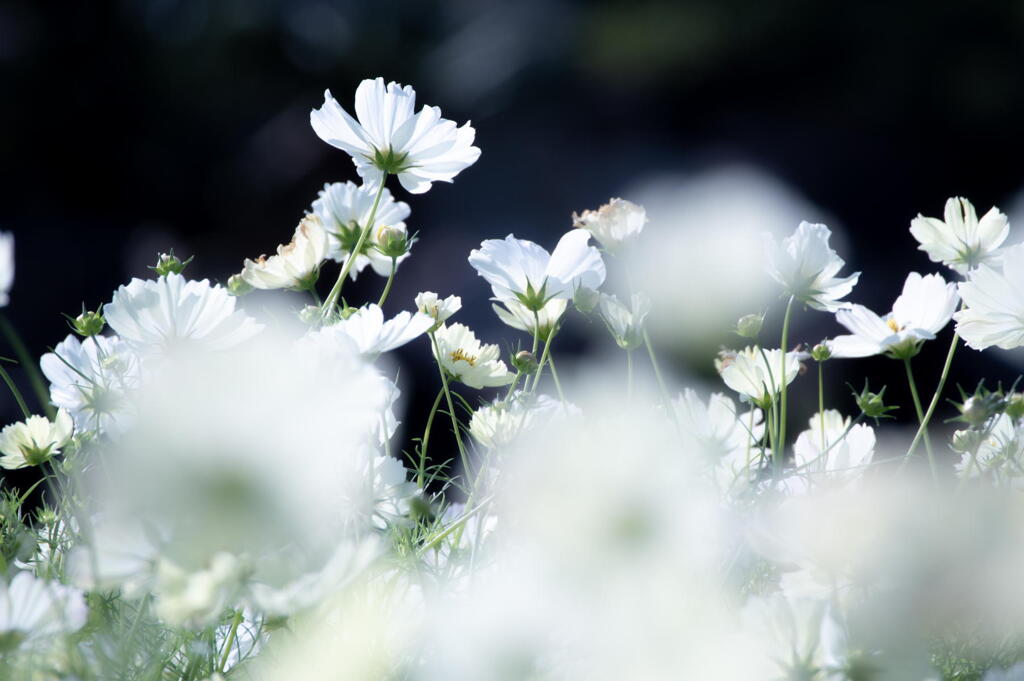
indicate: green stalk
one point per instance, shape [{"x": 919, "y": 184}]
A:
[
  {"x": 554, "y": 375},
  {"x": 14, "y": 391},
  {"x": 629, "y": 374},
  {"x": 451, "y": 406},
  {"x": 35, "y": 377},
  {"x": 335, "y": 294},
  {"x": 934, "y": 402},
  {"x": 235, "y": 621},
  {"x": 920, "y": 416},
  {"x": 426, "y": 439},
  {"x": 387, "y": 286},
  {"x": 784, "y": 384},
  {"x": 821, "y": 403}
]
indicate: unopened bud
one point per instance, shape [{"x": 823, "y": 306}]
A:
[
  {"x": 872, "y": 404},
  {"x": 975, "y": 411},
  {"x": 525, "y": 362},
  {"x": 88, "y": 323},
  {"x": 967, "y": 440},
  {"x": 310, "y": 314},
  {"x": 749, "y": 326},
  {"x": 393, "y": 242},
  {"x": 238, "y": 286},
  {"x": 1015, "y": 406},
  {"x": 168, "y": 263},
  {"x": 585, "y": 299},
  {"x": 821, "y": 352}
]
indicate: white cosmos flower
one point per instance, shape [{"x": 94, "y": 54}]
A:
[
  {"x": 34, "y": 440},
  {"x": 961, "y": 241},
  {"x": 196, "y": 599},
  {"x": 994, "y": 301},
  {"x": 500, "y": 423},
  {"x": 716, "y": 428},
  {"x": 33, "y": 609},
  {"x": 154, "y": 315},
  {"x": 420, "y": 148},
  {"x": 844, "y": 456},
  {"x": 468, "y": 360},
  {"x": 6, "y": 265},
  {"x": 428, "y": 303},
  {"x": 756, "y": 374},
  {"x": 296, "y": 264},
  {"x": 371, "y": 335},
  {"x": 806, "y": 267},
  {"x": 626, "y": 324},
  {"x": 91, "y": 380},
  {"x": 520, "y": 270},
  {"x": 921, "y": 311},
  {"x": 614, "y": 223},
  {"x": 518, "y": 316},
  {"x": 998, "y": 454},
  {"x": 344, "y": 209}
]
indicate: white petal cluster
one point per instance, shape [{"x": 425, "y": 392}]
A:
[
  {"x": 430, "y": 304},
  {"x": 159, "y": 315},
  {"x": 370, "y": 334},
  {"x": 999, "y": 453},
  {"x": 34, "y": 440},
  {"x": 345, "y": 208},
  {"x": 826, "y": 451},
  {"x": 388, "y": 137},
  {"x": 497, "y": 425},
  {"x": 626, "y": 324},
  {"x": 717, "y": 431},
  {"x": 994, "y": 304},
  {"x": 613, "y": 224},
  {"x": 518, "y": 316},
  {"x": 757, "y": 374},
  {"x": 6, "y": 266},
  {"x": 33, "y": 610},
  {"x": 467, "y": 359},
  {"x": 921, "y": 311},
  {"x": 961, "y": 241},
  {"x": 196, "y": 599},
  {"x": 296, "y": 264},
  {"x": 806, "y": 267}
]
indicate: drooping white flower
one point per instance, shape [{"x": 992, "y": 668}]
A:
[
  {"x": 420, "y": 148},
  {"x": 520, "y": 270},
  {"x": 33, "y": 610},
  {"x": 518, "y": 316},
  {"x": 371, "y": 335},
  {"x": 921, "y": 311},
  {"x": 613, "y": 224},
  {"x": 827, "y": 451},
  {"x": 994, "y": 301},
  {"x": 626, "y": 324},
  {"x": 6, "y": 266},
  {"x": 296, "y": 264},
  {"x": 344, "y": 208},
  {"x": 806, "y": 267},
  {"x": 155, "y": 315},
  {"x": 35, "y": 440},
  {"x": 961, "y": 241},
  {"x": 91, "y": 380},
  {"x": 498, "y": 424},
  {"x": 468, "y": 360},
  {"x": 757, "y": 374},
  {"x": 428, "y": 303},
  {"x": 719, "y": 432}
]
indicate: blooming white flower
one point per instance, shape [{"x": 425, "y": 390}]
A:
[
  {"x": 6, "y": 266},
  {"x": 33, "y": 609},
  {"x": 613, "y": 224},
  {"x": 468, "y": 360},
  {"x": 91, "y": 379},
  {"x": 518, "y": 316},
  {"x": 961, "y": 241},
  {"x": 827, "y": 450},
  {"x": 344, "y": 208},
  {"x": 34, "y": 440},
  {"x": 371, "y": 335},
  {"x": 757, "y": 374},
  {"x": 428, "y": 303},
  {"x": 626, "y": 324},
  {"x": 419, "y": 148},
  {"x": 999, "y": 453},
  {"x": 154, "y": 315},
  {"x": 805, "y": 265},
  {"x": 921, "y": 311},
  {"x": 499, "y": 424},
  {"x": 520, "y": 270},
  {"x": 716, "y": 428},
  {"x": 195, "y": 599},
  {"x": 296, "y": 264},
  {"x": 994, "y": 304}
]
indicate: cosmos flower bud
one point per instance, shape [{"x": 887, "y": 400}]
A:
[
  {"x": 585, "y": 299},
  {"x": 394, "y": 242},
  {"x": 168, "y": 263},
  {"x": 88, "y": 323},
  {"x": 749, "y": 326},
  {"x": 1015, "y": 406},
  {"x": 821, "y": 352},
  {"x": 238, "y": 286},
  {"x": 311, "y": 314},
  {"x": 975, "y": 411},
  {"x": 967, "y": 440},
  {"x": 872, "y": 404},
  {"x": 525, "y": 361}
]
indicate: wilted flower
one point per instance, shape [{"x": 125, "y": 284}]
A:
[
  {"x": 6, "y": 265},
  {"x": 832, "y": 449},
  {"x": 369, "y": 332},
  {"x": 757, "y": 373},
  {"x": 153, "y": 316},
  {"x": 469, "y": 361},
  {"x": 626, "y": 324},
  {"x": 428, "y": 303},
  {"x": 805, "y": 265},
  {"x": 521, "y": 271},
  {"x": 961, "y": 241},
  {"x": 34, "y": 440},
  {"x": 994, "y": 313},
  {"x": 296, "y": 264},
  {"x": 614, "y": 223},
  {"x": 390, "y": 139},
  {"x": 344, "y": 208},
  {"x": 922, "y": 310},
  {"x": 33, "y": 609}
]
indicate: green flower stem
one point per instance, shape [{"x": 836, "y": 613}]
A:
[
  {"x": 335, "y": 294},
  {"x": 781, "y": 443},
  {"x": 235, "y": 621},
  {"x": 35, "y": 377},
  {"x": 920, "y": 415},
  {"x": 14, "y": 390},
  {"x": 451, "y": 407},
  {"x": 629, "y": 374},
  {"x": 554, "y": 375},
  {"x": 387, "y": 286},
  {"x": 543, "y": 358},
  {"x": 666, "y": 398},
  {"x": 426, "y": 440},
  {"x": 821, "y": 402},
  {"x": 935, "y": 400}
]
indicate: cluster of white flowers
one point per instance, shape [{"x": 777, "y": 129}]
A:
[{"x": 227, "y": 494}]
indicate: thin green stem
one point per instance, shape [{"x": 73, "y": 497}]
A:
[
  {"x": 920, "y": 415},
  {"x": 554, "y": 375},
  {"x": 335, "y": 294},
  {"x": 14, "y": 390},
  {"x": 235, "y": 621},
  {"x": 387, "y": 286},
  {"x": 451, "y": 407},
  {"x": 629, "y": 374},
  {"x": 421, "y": 469},
  {"x": 35, "y": 377},
  {"x": 666, "y": 398},
  {"x": 543, "y": 358},
  {"x": 821, "y": 402},
  {"x": 934, "y": 402},
  {"x": 781, "y": 443}
]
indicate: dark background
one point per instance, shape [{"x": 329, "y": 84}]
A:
[{"x": 135, "y": 126}]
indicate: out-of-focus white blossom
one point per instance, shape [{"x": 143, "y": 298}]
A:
[
  {"x": 613, "y": 224},
  {"x": 806, "y": 267},
  {"x": 499, "y": 424},
  {"x": 999, "y": 454},
  {"x": 626, "y": 324},
  {"x": 994, "y": 312},
  {"x": 468, "y": 360},
  {"x": 717, "y": 432},
  {"x": 370, "y": 334},
  {"x": 757, "y": 373},
  {"x": 420, "y": 148},
  {"x": 296, "y": 264},
  {"x": 33, "y": 610},
  {"x": 961, "y": 241},
  {"x": 6, "y": 266},
  {"x": 196, "y": 599},
  {"x": 344, "y": 208},
  {"x": 35, "y": 440},
  {"x": 826, "y": 451}
]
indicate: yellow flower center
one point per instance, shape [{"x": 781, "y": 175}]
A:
[
  {"x": 893, "y": 324},
  {"x": 461, "y": 354}
]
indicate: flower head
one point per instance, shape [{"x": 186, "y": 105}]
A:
[
  {"x": 922, "y": 310},
  {"x": 344, "y": 209},
  {"x": 626, "y": 324},
  {"x": 520, "y": 270},
  {"x": 371, "y": 335},
  {"x": 428, "y": 303},
  {"x": 468, "y": 360},
  {"x": 831, "y": 448},
  {"x": 757, "y": 374},
  {"x": 296, "y": 264},
  {"x": 6, "y": 265},
  {"x": 153, "y": 316},
  {"x": 388, "y": 138},
  {"x": 994, "y": 312},
  {"x": 499, "y": 424},
  {"x": 961, "y": 241},
  {"x": 805, "y": 265},
  {"x": 518, "y": 316},
  {"x": 613, "y": 224},
  {"x": 35, "y": 440},
  {"x": 32, "y": 609}
]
